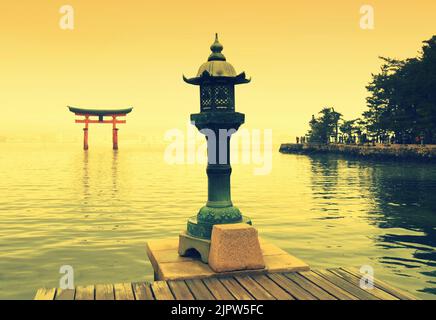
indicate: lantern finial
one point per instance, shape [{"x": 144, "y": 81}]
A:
[{"x": 216, "y": 49}]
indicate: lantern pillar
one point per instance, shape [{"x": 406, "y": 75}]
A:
[{"x": 219, "y": 208}]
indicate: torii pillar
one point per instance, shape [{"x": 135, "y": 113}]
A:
[
  {"x": 114, "y": 133},
  {"x": 85, "y": 137}
]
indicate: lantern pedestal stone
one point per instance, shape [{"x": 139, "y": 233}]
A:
[{"x": 235, "y": 247}]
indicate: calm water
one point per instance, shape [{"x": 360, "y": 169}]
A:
[{"x": 95, "y": 211}]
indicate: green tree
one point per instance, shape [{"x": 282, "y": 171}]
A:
[
  {"x": 335, "y": 117},
  {"x": 325, "y": 126},
  {"x": 348, "y": 127},
  {"x": 402, "y": 97}
]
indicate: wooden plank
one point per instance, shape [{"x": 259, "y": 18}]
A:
[
  {"x": 327, "y": 286},
  {"x": 85, "y": 292},
  {"x": 193, "y": 269},
  {"x": 123, "y": 291},
  {"x": 380, "y": 294},
  {"x": 161, "y": 291},
  {"x": 284, "y": 263},
  {"x": 236, "y": 289},
  {"x": 142, "y": 291},
  {"x": 310, "y": 287},
  {"x": 45, "y": 294},
  {"x": 255, "y": 289},
  {"x": 65, "y": 294},
  {"x": 217, "y": 289},
  {"x": 384, "y": 286},
  {"x": 345, "y": 285},
  {"x": 272, "y": 287},
  {"x": 180, "y": 290},
  {"x": 104, "y": 292},
  {"x": 291, "y": 287},
  {"x": 199, "y": 290}
]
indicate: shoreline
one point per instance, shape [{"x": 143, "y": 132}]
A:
[{"x": 425, "y": 153}]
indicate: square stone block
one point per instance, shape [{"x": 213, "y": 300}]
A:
[{"x": 235, "y": 247}]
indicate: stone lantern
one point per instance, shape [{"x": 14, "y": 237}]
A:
[{"x": 217, "y": 120}]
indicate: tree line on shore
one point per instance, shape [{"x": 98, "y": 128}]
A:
[{"x": 401, "y": 106}]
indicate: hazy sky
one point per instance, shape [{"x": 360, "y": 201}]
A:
[{"x": 302, "y": 55}]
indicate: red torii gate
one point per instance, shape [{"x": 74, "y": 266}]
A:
[{"x": 88, "y": 113}]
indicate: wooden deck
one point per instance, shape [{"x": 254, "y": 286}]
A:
[{"x": 331, "y": 284}]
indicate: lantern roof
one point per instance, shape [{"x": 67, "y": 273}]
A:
[{"x": 217, "y": 68}]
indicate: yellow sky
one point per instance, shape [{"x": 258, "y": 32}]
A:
[{"x": 302, "y": 55}]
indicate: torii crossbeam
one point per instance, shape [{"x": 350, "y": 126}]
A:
[{"x": 113, "y": 114}]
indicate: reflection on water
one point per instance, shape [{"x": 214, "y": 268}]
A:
[
  {"x": 400, "y": 202},
  {"x": 406, "y": 200},
  {"x": 95, "y": 210},
  {"x": 85, "y": 175}
]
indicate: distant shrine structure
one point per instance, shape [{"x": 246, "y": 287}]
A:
[{"x": 98, "y": 116}]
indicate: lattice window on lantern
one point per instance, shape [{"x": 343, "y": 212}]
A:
[
  {"x": 224, "y": 97},
  {"x": 205, "y": 98}
]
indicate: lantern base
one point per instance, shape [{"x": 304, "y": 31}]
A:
[
  {"x": 215, "y": 212},
  {"x": 202, "y": 230},
  {"x": 187, "y": 243}
]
